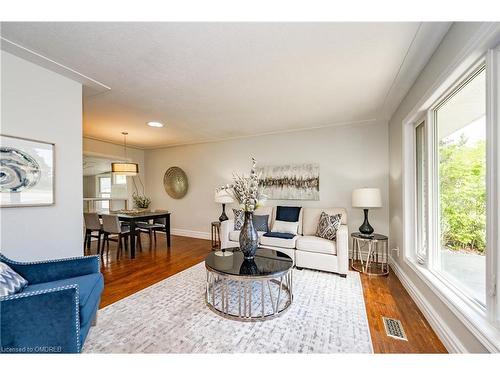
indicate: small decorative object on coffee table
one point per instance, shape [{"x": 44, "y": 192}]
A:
[
  {"x": 245, "y": 190},
  {"x": 249, "y": 289},
  {"x": 372, "y": 261}
]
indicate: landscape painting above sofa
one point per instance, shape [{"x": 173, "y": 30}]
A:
[{"x": 292, "y": 181}]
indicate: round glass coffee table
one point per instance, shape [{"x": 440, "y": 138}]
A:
[{"x": 249, "y": 290}]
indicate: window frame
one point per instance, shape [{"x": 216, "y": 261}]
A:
[
  {"x": 482, "y": 321},
  {"x": 434, "y": 211},
  {"x": 421, "y": 252}
]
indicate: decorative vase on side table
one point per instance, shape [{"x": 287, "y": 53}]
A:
[{"x": 249, "y": 238}]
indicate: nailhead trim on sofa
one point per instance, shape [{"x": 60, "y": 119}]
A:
[{"x": 50, "y": 290}]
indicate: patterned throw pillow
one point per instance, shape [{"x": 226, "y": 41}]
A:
[
  {"x": 239, "y": 218},
  {"x": 260, "y": 223},
  {"x": 328, "y": 226},
  {"x": 10, "y": 281}
]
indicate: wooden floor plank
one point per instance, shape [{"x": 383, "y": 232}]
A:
[{"x": 384, "y": 296}]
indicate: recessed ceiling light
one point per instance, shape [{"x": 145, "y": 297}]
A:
[{"x": 155, "y": 124}]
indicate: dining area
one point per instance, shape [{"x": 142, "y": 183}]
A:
[
  {"x": 111, "y": 185},
  {"x": 125, "y": 228}
]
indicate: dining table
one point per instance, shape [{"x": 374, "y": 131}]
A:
[{"x": 132, "y": 217}]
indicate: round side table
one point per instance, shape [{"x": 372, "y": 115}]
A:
[{"x": 374, "y": 262}]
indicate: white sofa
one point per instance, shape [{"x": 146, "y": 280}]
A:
[{"x": 306, "y": 249}]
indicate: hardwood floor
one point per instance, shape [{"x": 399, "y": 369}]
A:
[{"x": 384, "y": 296}]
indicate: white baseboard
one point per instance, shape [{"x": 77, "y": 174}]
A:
[
  {"x": 443, "y": 331},
  {"x": 189, "y": 233}
]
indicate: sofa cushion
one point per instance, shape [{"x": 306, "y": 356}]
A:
[
  {"x": 310, "y": 218},
  {"x": 278, "y": 242},
  {"x": 286, "y": 226},
  {"x": 265, "y": 211},
  {"x": 235, "y": 235},
  {"x": 261, "y": 223},
  {"x": 287, "y": 213},
  {"x": 315, "y": 244},
  {"x": 10, "y": 281},
  {"x": 89, "y": 287},
  {"x": 328, "y": 226}
]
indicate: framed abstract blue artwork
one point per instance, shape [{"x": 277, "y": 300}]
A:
[{"x": 26, "y": 172}]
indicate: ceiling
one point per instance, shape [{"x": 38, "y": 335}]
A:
[{"x": 215, "y": 81}]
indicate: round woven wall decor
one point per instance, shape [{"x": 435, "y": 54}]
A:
[{"x": 175, "y": 182}]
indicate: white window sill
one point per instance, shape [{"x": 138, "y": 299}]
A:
[{"x": 470, "y": 315}]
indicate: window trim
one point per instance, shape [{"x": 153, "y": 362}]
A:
[
  {"x": 485, "y": 327},
  {"x": 493, "y": 184}
]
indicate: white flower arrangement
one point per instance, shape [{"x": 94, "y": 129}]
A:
[{"x": 245, "y": 190}]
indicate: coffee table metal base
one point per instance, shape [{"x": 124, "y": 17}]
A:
[{"x": 273, "y": 301}]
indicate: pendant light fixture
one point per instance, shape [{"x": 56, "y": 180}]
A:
[{"x": 125, "y": 168}]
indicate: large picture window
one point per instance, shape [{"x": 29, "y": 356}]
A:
[
  {"x": 460, "y": 145},
  {"x": 451, "y": 194},
  {"x": 452, "y": 203}
]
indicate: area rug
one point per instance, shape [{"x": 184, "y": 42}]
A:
[{"x": 327, "y": 315}]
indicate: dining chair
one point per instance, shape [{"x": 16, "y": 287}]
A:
[
  {"x": 92, "y": 224},
  {"x": 111, "y": 226},
  {"x": 161, "y": 225},
  {"x": 150, "y": 229}
]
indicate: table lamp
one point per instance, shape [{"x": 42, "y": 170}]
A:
[
  {"x": 223, "y": 197},
  {"x": 366, "y": 198}
]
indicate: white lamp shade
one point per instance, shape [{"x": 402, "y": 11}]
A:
[
  {"x": 223, "y": 197},
  {"x": 366, "y": 198},
  {"x": 125, "y": 169}
]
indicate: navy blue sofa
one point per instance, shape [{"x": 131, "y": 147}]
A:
[{"x": 53, "y": 314}]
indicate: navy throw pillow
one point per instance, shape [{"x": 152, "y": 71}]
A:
[
  {"x": 260, "y": 223},
  {"x": 286, "y": 236},
  {"x": 287, "y": 213}
]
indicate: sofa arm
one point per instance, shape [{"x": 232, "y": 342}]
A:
[
  {"x": 57, "y": 269},
  {"x": 225, "y": 227},
  {"x": 343, "y": 249},
  {"x": 43, "y": 321}
]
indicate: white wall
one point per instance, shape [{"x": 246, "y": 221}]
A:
[
  {"x": 42, "y": 105},
  {"x": 350, "y": 157},
  {"x": 454, "y": 41},
  {"x": 93, "y": 147}
]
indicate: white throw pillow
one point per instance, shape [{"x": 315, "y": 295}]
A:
[
  {"x": 286, "y": 226},
  {"x": 10, "y": 281}
]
